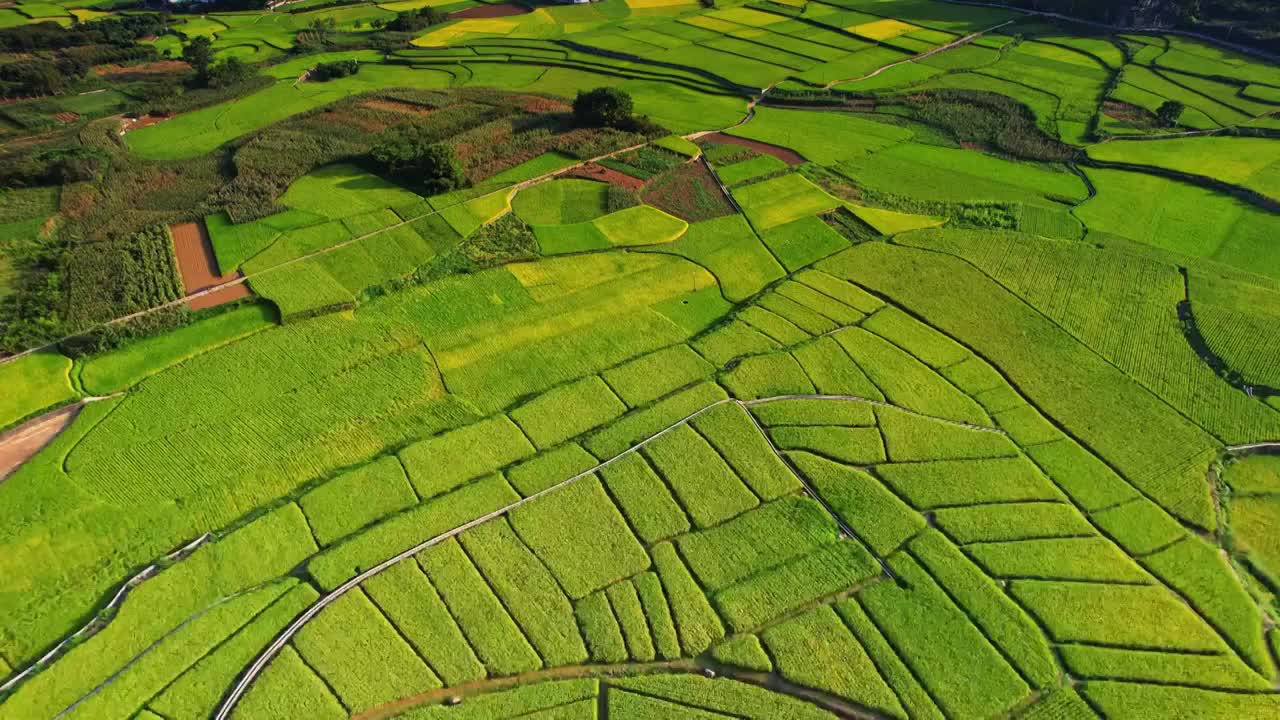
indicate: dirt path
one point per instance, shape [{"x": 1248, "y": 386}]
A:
[
  {"x": 786, "y": 155},
  {"x": 199, "y": 268},
  {"x": 21, "y": 443}
]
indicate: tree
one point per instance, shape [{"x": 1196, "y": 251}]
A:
[
  {"x": 199, "y": 54},
  {"x": 416, "y": 160},
  {"x": 1169, "y": 113},
  {"x": 414, "y": 20},
  {"x": 603, "y": 107},
  {"x": 229, "y": 72}
]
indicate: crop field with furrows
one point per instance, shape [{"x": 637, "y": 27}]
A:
[{"x": 637, "y": 359}]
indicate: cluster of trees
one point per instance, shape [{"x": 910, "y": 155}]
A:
[
  {"x": 413, "y": 20},
  {"x": 416, "y": 159},
  {"x": 607, "y": 107},
  {"x": 333, "y": 70},
  {"x": 199, "y": 54},
  {"x": 121, "y": 30}
]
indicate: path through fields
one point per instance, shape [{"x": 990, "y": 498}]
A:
[
  {"x": 267, "y": 655},
  {"x": 21, "y": 443},
  {"x": 953, "y": 44}
]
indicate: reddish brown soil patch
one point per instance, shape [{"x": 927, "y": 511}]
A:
[
  {"x": 21, "y": 443},
  {"x": 161, "y": 67},
  {"x": 129, "y": 124},
  {"x": 535, "y": 104},
  {"x": 596, "y": 171},
  {"x": 368, "y": 122},
  {"x": 689, "y": 192},
  {"x": 1124, "y": 112},
  {"x": 199, "y": 267},
  {"x": 397, "y": 106},
  {"x": 786, "y": 155},
  {"x": 491, "y": 11},
  {"x": 66, "y": 117}
]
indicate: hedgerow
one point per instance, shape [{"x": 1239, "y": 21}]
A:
[
  {"x": 735, "y": 436},
  {"x": 581, "y": 537},
  {"x": 412, "y": 604},
  {"x": 696, "y": 623},
  {"x": 966, "y": 482},
  {"x": 1012, "y": 521},
  {"x": 527, "y": 590},
  {"x": 361, "y": 552},
  {"x": 441, "y": 463},
  {"x": 498, "y": 642},
  {"x": 896, "y": 673},
  {"x": 566, "y": 411},
  {"x": 816, "y": 650},
  {"x": 630, "y": 616},
  {"x": 1137, "y": 616},
  {"x": 600, "y": 629},
  {"x": 1005, "y": 624},
  {"x": 705, "y": 485},
  {"x": 356, "y": 498},
  {"x": 360, "y": 655},
  {"x": 881, "y": 520},
  {"x": 810, "y": 412},
  {"x": 832, "y": 371},
  {"x": 830, "y": 569},
  {"x": 756, "y": 540},
  {"x": 957, "y": 665}
]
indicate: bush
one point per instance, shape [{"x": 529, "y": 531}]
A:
[
  {"x": 415, "y": 20},
  {"x": 433, "y": 166},
  {"x": 336, "y": 69},
  {"x": 1169, "y": 112},
  {"x": 603, "y": 107}
]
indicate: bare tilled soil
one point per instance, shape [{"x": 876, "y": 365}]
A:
[
  {"x": 199, "y": 267},
  {"x": 21, "y": 443},
  {"x": 129, "y": 124},
  {"x": 397, "y": 106},
  {"x": 66, "y": 117},
  {"x": 491, "y": 11},
  {"x": 786, "y": 155},
  {"x": 596, "y": 171}
]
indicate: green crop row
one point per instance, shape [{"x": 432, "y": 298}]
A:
[
  {"x": 581, "y": 536},
  {"x": 833, "y": 372},
  {"x": 743, "y": 651},
  {"x": 539, "y": 700},
  {"x": 696, "y": 623},
  {"x": 943, "y": 483},
  {"x": 724, "y": 695},
  {"x": 289, "y": 688},
  {"x": 1219, "y": 671},
  {"x": 734, "y": 339},
  {"x": 397, "y": 534},
  {"x": 357, "y": 651},
  {"x": 357, "y": 498},
  {"x": 756, "y": 541},
  {"x": 642, "y": 424},
  {"x": 412, "y": 604},
  {"x": 657, "y": 613},
  {"x": 730, "y": 249},
  {"x": 762, "y": 376},
  {"x": 705, "y": 485},
  {"x": 644, "y": 499},
  {"x": 497, "y": 640},
  {"x": 444, "y": 462},
  {"x": 567, "y": 411},
  {"x": 851, "y": 445},
  {"x": 527, "y": 590},
  {"x": 731, "y": 431},
  {"x": 881, "y": 520},
  {"x": 895, "y": 672},
  {"x": 651, "y": 376},
  {"x": 550, "y": 468},
  {"x": 830, "y": 569},
  {"x": 811, "y": 412},
  {"x": 600, "y": 629},
  {"x": 1093, "y": 559},
  {"x": 816, "y": 650},
  {"x": 629, "y": 613},
  {"x": 1012, "y": 521}
]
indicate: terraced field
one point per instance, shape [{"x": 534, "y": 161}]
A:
[{"x": 887, "y": 359}]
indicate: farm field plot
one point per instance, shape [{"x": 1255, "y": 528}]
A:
[{"x": 636, "y": 359}]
